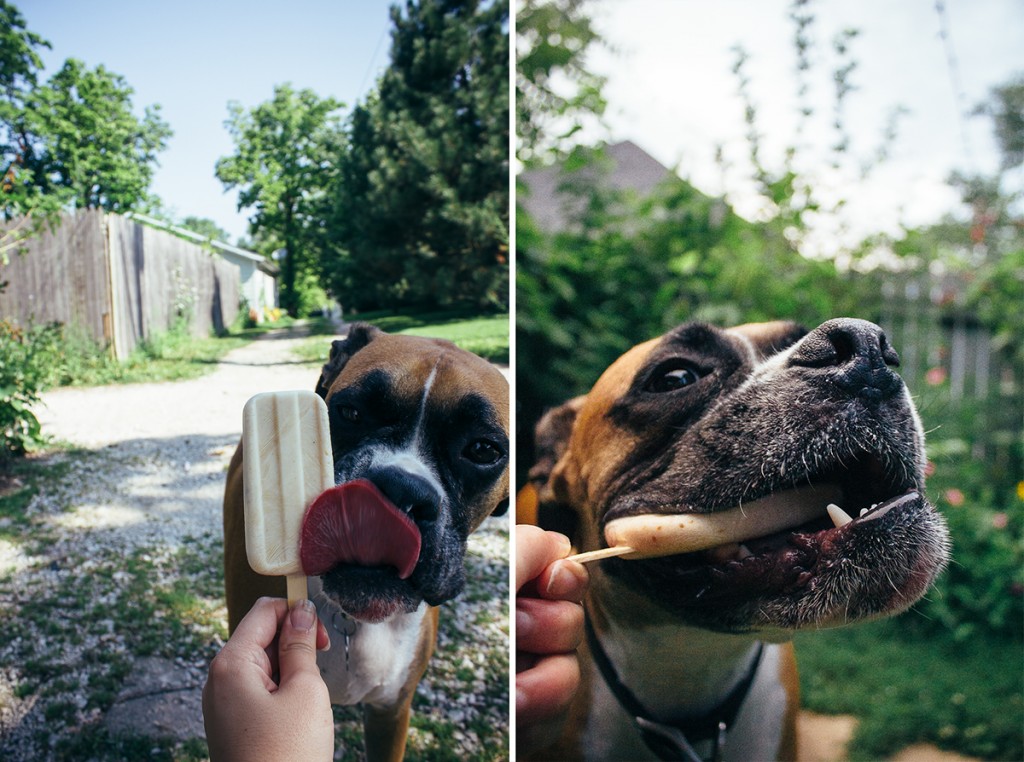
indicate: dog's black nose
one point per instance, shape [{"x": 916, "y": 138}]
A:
[
  {"x": 855, "y": 354},
  {"x": 409, "y": 492}
]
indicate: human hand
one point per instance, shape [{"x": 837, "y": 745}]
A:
[
  {"x": 549, "y": 628},
  {"x": 264, "y": 698}
]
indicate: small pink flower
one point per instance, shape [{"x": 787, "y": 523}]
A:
[
  {"x": 929, "y": 468},
  {"x": 1000, "y": 520},
  {"x": 935, "y": 376},
  {"x": 954, "y": 497}
]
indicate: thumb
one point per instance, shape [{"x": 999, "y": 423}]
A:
[{"x": 296, "y": 646}]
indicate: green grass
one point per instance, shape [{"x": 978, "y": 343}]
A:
[
  {"x": 908, "y": 685},
  {"x": 174, "y": 355},
  {"x": 484, "y": 335}
]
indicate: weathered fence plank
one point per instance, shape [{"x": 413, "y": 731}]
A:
[{"x": 61, "y": 276}]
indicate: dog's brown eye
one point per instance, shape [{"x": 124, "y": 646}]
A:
[
  {"x": 677, "y": 378},
  {"x": 349, "y": 413},
  {"x": 482, "y": 452}
]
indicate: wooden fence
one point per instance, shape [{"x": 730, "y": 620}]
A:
[
  {"x": 118, "y": 280},
  {"x": 952, "y": 367}
]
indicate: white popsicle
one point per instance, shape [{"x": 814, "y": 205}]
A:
[
  {"x": 652, "y": 534},
  {"x": 287, "y": 463}
]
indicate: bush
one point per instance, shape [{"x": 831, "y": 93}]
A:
[
  {"x": 974, "y": 480},
  {"x": 983, "y": 589},
  {"x": 26, "y": 366}
]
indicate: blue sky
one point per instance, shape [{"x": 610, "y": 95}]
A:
[{"x": 193, "y": 57}]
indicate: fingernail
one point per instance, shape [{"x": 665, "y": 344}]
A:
[
  {"x": 564, "y": 542},
  {"x": 303, "y": 615},
  {"x": 567, "y": 580},
  {"x": 524, "y": 624}
]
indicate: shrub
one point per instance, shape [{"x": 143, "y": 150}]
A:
[
  {"x": 27, "y": 357},
  {"x": 983, "y": 589},
  {"x": 974, "y": 481}
]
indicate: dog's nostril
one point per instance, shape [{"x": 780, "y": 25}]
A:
[
  {"x": 889, "y": 354},
  {"x": 410, "y": 493},
  {"x": 422, "y": 512}
]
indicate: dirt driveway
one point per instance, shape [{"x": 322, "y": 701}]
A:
[
  {"x": 208, "y": 406},
  {"x": 111, "y": 582}
]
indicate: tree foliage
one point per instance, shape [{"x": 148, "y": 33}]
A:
[
  {"x": 20, "y": 193},
  {"x": 282, "y": 167},
  {"x": 421, "y": 204},
  {"x": 88, "y": 141},
  {"x": 205, "y": 227},
  {"x": 554, "y": 90},
  {"x": 71, "y": 142},
  {"x": 1006, "y": 108}
]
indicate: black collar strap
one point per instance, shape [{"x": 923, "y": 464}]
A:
[{"x": 673, "y": 741}]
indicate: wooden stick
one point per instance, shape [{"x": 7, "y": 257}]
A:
[
  {"x": 296, "y": 588},
  {"x": 597, "y": 555}
]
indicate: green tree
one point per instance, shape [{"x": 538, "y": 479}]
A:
[
  {"x": 282, "y": 166},
  {"x": 554, "y": 91},
  {"x": 421, "y": 207},
  {"x": 20, "y": 192},
  {"x": 205, "y": 227},
  {"x": 87, "y": 141}
]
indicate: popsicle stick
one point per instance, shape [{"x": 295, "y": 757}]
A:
[
  {"x": 597, "y": 555},
  {"x": 296, "y": 588}
]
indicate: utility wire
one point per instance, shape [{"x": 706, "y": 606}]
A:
[
  {"x": 956, "y": 82},
  {"x": 373, "y": 60}
]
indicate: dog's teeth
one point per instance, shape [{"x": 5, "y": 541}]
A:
[
  {"x": 838, "y": 515},
  {"x": 865, "y": 510},
  {"x": 744, "y": 552}
]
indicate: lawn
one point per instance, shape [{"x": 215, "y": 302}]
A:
[
  {"x": 485, "y": 335},
  {"x": 907, "y": 683}
]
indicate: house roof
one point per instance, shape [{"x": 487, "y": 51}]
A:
[{"x": 552, "y": 209}]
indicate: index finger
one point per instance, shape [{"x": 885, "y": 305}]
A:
[{"x": 535, "y": 550}]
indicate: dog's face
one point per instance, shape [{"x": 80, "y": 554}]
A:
[
  {"x": 703, "y": 420},
  {"x": 427, "y": 423}
]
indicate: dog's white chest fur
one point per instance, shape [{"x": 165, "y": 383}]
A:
[{"x": 375, "y": 665}]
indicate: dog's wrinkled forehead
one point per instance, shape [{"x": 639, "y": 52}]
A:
[{"x": 408, "y": 364}]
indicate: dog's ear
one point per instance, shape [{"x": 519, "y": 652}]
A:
[
  {"x": 537, "y": 501},
  {"x": 359, "y": 335},
  {"x": 551, "y": 438}
]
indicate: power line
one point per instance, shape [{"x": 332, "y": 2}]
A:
[
  {"x": 373, "y": 60},
  {"x": 956, "y": 82}
]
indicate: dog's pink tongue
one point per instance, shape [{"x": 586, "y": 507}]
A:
[{"x": 354, "y": 523}]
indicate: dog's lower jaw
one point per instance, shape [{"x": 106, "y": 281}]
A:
[{"x": 684, "y": 672}]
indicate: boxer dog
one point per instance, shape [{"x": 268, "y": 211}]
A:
[
  {"x": 687, "y": 655},
  {"x": 426, "y": 423}
]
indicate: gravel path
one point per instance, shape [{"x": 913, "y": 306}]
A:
[{"x": 111, "y": 586}]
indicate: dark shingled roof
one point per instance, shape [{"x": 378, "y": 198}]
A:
[{"x": 630, "y": 169}]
